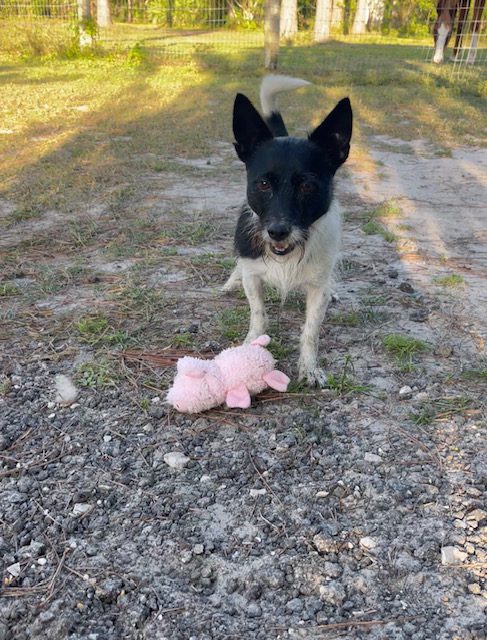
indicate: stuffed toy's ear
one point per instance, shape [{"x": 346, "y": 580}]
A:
[
  {"x": 261, "y": 341},
  {"x": 192, "y": 367},
  {"x": 238, "y": 397},
  {"x": 277, "y": 380}
]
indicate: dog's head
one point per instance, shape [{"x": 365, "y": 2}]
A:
[{"x": 289, "y": 180}]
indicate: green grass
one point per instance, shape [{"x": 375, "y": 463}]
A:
[
  {"x": 7, "y": 290},
  {"x": 404, "y": 349},
  {"x": 233, "y": 323},
  {"x": 450, "y": 281},
  {"x": 441, "y": 409},
  {"x": 344, "y": 383},
  {"x": 372, "y": 228},
  {"x": 99, "y": 374}
]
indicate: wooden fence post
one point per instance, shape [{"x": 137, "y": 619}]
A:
[
  {"x": 84, "y": 22},
  {"x": 272, "y": 10}
]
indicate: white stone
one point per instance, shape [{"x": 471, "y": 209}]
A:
[
  {"x": 452, "y": 555},
  {"x": 367, "y": 543},
  {"x": 372, "y": 457},
  {"x": 14, "y": 569},
  {"x": 82, "y": 508},
  {"x": 405, "y": 392},
  {"x": 42, "y": 561},
  {"x": 258, "y": 492},
  {"x": 322, "y": 494},
  {"x": 176, "y": 460}
]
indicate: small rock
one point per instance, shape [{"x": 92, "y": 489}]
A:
[
  {"x": 176, "y": 460},
  {"x": 324, "y": 544},
  {"x": 42, "y": 561},
  {"x": 372, "y": 457},
  {"x": 368, "y": 543},
  {"x": 393, "y": 273},
  {"x": 81, "y": 509},
  {"x": 474, "y": 588},
  {"x": 294, "y": 606},
  {"x": 405, "y": 392},
  {"x": 257, "y": 492},
  {"x": 452, "y": 555},
  {"x": 186, "y": 556},
  {"x": 322, "y": 494},
  {"x": 406, "y": 287},
  {"x": 478, "y": 516},
  {"x": 332, "y": 592},
  {"x": 254, "y": 610},
  {"x": 198, "y": 549},
  {"x": 14, "y": 569},
  {"x": 419, "y": 315}
]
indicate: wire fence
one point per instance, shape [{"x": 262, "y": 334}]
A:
[{"x": 185, "y": 27}]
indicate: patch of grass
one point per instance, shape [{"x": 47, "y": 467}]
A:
[
  {"x": 478, "y": 374},
  {"x": 440, "y": 409},
  {"x": 98, "y": 374},
  {"x": 373, "y": 228},
  {"x": 388, "y": 209},
  {"x": 183, "y": 340},
  {"x": 24, "y": 214},
  {"x": 358, "y": 318},
  {"x": 344, "y": 383},
  {"x": 96, "y": 330},
  {"x": 5, "y": 385},
  {"x": 7, "y": 289},
  {"x": 233, "y": 323},
  {"x": 192, "y": 234},
  {"x": 279, "y": 350},
  {"x": 137, "y": 298},
  {"x": 452, "y": 280},
  {"x": 404, "y": 349}
]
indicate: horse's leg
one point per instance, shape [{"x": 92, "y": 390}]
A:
[
  {"x": 464, "y": 6},
  {"x": 478, "y": 9}
]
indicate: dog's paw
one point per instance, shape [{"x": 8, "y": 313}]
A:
[{"x": 312, "y": 376}]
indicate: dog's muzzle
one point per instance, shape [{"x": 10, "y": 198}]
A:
[{"x": 279, "y": 238}]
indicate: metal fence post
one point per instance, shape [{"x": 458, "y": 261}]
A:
[{"x": 272, "y": 10}]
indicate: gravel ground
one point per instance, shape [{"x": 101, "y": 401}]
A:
[{"x": 355, "y": 512}]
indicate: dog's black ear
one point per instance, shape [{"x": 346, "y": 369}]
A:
[
  {"x": 334, "y": 133},
  {"x": 249, "y": 127}
]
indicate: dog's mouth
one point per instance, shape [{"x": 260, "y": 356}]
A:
[{"x": 281, "y": 248}]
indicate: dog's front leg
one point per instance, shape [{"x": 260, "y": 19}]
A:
[
  {"x": 254, "y": 290},
  {"x": 317, "y": 299}
]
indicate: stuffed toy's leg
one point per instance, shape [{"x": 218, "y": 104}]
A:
[{"x": 238, "y": 397}]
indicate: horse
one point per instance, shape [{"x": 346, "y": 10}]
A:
[{"x": 443, "y": 28}]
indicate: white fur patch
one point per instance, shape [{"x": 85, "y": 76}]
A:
[
  {"x": 440, "y": 43},
  {"x": 274, "y": 84},
  {"x": 66, "y": 390},
  {"x": 297, "y": 270}
]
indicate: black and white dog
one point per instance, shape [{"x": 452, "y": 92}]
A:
[{"x": 288, "y": 232}]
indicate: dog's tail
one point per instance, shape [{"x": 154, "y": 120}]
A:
[{"x": 270, "y": 87}]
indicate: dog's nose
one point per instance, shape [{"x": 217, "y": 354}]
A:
[{"x": 278, "y": 231}]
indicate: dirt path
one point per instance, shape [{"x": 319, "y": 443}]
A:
[{"x": 358, "y": 512}]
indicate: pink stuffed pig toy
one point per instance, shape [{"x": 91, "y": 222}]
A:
[{"x": 232, "y": 377}]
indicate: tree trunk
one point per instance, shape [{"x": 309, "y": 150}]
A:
[
  {"x": 103, "y": 18},
  {"x": 361, "y": 17},
  {"x": 337, "y": 15},
  {"x": 271, "y": 33},
  {"x": 323, "y": 20},
  {"x": 289, "y": 18}
]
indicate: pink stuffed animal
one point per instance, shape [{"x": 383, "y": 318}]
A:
[{"x": 232, "y": 377}]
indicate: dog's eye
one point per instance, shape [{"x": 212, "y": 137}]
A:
[
  {"x": 264, "y": 185},
  {"x": 306, "y": 187}
]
